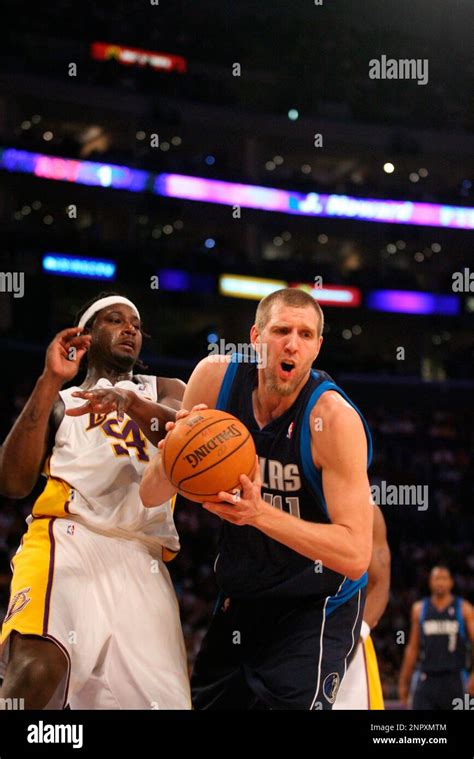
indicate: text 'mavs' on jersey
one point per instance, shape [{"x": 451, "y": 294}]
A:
[
  {"x": 249, "y": 563},
  {"x": 443, "y": 641}
]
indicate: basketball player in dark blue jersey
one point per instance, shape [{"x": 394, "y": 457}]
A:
[
  {"x": 295, "y": 546},
  {"x": 442, "y": 629}
]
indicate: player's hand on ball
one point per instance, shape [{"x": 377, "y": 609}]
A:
[
  {"x": 181, "y": 414},
  {"x": 244, "y": 507},
  {"x": 102, "y": 401},
  {"x": 65, "y": 352}
]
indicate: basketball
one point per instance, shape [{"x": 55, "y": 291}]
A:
[{"x": 207, "y": 452}]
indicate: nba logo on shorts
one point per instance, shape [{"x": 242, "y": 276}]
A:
[{"x": 70, "y": 529}]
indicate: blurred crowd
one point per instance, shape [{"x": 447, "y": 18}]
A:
[
  {"x": 433, "y": 448},
  {"x": 327, "y": 68}
]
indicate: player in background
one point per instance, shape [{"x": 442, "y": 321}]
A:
[
  {"x": 361, "y": 687},
  {"x": 294, "y": 549},
  {"x": 442, "y": 629},
  {"x": 93, "y": 619}
]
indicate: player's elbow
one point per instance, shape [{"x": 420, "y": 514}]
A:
[
  {"x": 151, "y": 494},
  {"x": 16, "y": 489},
  {"x": 148, "y": 498},
  {"x": 145, "y": 501},
  {"x": 150, "y": 502},
  {"x": 355, "y": 571},
  {"x": 17, "y": 479},
  {"x": 358, "y": 564},
  {"x": 14, "y": 493},
  {"x": 351, "y": 568}
]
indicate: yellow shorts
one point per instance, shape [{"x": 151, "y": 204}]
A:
[
  {"x": 31, "y": 586},
  {"x": 112, "y": 610}
]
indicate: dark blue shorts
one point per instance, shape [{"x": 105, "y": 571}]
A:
[
  {"x": 438, "y": 690},
  {"x": 275, "y": 654}
]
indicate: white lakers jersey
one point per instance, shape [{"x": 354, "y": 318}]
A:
[{"x": 95, "y": 469}]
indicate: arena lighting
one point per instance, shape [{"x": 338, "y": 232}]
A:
[
  {"x": 174, "y": 280},
  {"x": 132, "y": 56},
  {"x": 233, "y": 193},
  {"x": 71, "y": 170},
  {"x": 332, "y": 295},
  {"x": 252, "y": 288},
  {"x": 75, "y": 266},
  {"x": 239, "y": 286},
  {"x": 178, "y": 280},
  {"x": 411, "y": 302},
  {"x": 314, "y": 204}
]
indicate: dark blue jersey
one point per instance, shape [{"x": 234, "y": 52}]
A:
[
  {"x": 443, "y": 642},
  {"x": 249, "y": 563}
]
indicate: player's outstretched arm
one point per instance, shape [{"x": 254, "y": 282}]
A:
[
  {"x": 205, "y": 382},
  {"x": 201, "y": 391},
  {"x": 339, "y": 449},
  {"x": 151, "y": 417},
  {"x": 345, "y": 545},
  {"x": 155, "y": 488},
  {"x": 24, "y": 450},
  {"x": 170, "y": 392},
  {"x": 410, "y": 656},
  {"x": 378, "y": 585}
]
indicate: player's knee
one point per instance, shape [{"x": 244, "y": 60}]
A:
[
  {"x": 37, "y": 671},
  {"x": 34, "y": 674}
]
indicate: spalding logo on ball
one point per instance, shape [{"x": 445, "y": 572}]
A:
[{"x": 207, "y": 452}]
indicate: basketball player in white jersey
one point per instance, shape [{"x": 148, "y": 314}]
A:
[
  {"x": 93, "y": 619},
  {"x": 361, "y": 687}
]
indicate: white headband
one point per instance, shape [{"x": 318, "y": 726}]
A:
[{"x": 110, "y": 300}]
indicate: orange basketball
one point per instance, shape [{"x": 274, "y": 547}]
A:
[{"x": 207, "y": 452}]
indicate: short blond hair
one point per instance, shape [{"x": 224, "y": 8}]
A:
[{"x": 290, "y": 296}]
